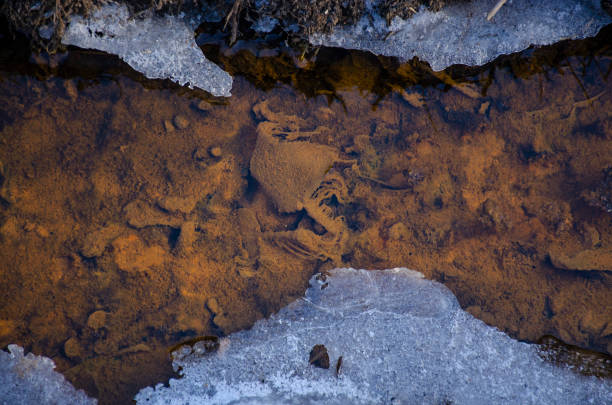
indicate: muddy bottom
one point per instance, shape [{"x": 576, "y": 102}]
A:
[{"x": 135, "y": 214}]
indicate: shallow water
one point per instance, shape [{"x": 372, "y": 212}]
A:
[{"x": 135, "y": 214}]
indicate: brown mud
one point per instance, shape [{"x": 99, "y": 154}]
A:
[{"x": 135, "y": 214}]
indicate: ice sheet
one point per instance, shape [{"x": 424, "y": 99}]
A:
[
  {"x": 158, "y": 47},
  {"x": 461, "y": 34},
  {"x": 31, "y": 380},
  {"x": 403, "y": 339}
]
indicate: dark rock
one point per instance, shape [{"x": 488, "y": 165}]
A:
[{"x": 319, "y": 357}]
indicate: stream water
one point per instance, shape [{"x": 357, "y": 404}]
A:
[{"x": 136, "y": 214}]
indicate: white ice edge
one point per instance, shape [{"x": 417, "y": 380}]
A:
[
  {"x": 461, "y": 34},
  {"x": 158, "y": 47},
  {"x": 403, "y": 339},
  {"x": 164, "y": 47},
  {"x": 32, "y": 380}
]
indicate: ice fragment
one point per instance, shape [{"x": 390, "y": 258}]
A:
[
  {"x": 31, "y": 380},
  {"x": 158, "y": 47},
  {"x": 402, "y": 338},
  {"x": 461, "y": 34}
]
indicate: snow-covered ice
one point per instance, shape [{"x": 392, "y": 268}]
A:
[
  {"x": 31, "y": 380},
  {"x": 461, "y": 34},
  {"x": 158, "y": 47},
  {"x": 403, "y": 339}
]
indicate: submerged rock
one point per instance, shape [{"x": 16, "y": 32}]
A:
[
  {"x": 398, "y": 337},
  {"x": 158, "y": 47},
  {"x": 589, "y": 259},
  {"x": 461, "y": 34}
]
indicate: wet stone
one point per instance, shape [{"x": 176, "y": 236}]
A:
[
  {"x": 71, "y": 90},
  {"x": 42, "y": 231},
  {"x": 484, "y": 107},
  {"x": 213, "y": 306},
  {"x": 180, "y": 122},
  {"x": 203, "y": 106},
  {"x": 97, "y": 319},
  {"x": 168, "y": 126},
  {"x": 589, "y": 259},
  {"x": 397, "y": 230},
  {"x": 319, "y": 357},
  {"x": 414, "y": 99},
  {"x": 215, "y": 151},
  {"x": 72, "y": 348}
]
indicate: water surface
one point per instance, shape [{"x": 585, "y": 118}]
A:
[{"x": 135, "y": 214}]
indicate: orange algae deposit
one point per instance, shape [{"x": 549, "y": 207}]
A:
[{"x": 135, "y": 215}]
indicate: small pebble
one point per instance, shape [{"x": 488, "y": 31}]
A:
[
  {"x": 223, "y": 322},
  {"x": 319, "y": 356},
  {"x": 97, "y": 319},
  {"x": 414, "y": 99},
  {"x": 215, "y": 151},
  {"x": 168, "y": 126},
  {"x": 204, "y": 106},
  {"x": 181, "y": 122},
  {"x": 72, "y": 348},
  {"x": 71, "y": 90},
  {"x": 213, "y": 306},
  {"x": 397, "y": 230},
  {"x": 484, "y": 107},
  {"x": 42, "y": 231},
  {"x": 245, "y": 272}
]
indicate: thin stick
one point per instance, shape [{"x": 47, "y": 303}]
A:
[{"x": 495, "y": 9}]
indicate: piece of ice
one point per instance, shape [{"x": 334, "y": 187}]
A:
[
  {"x": 461, "y": 34},
  {"x": 31, "y": 380},
  {"x": 265, "y": 24},
  {"x": 403, "y": 339},
  {"x": 158, "y": 47},
  {"x": 46, "y": 31}
]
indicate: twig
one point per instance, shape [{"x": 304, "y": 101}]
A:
[
  {"x": 495, "y": 9},
  {"x": 232, "y": 17}
]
